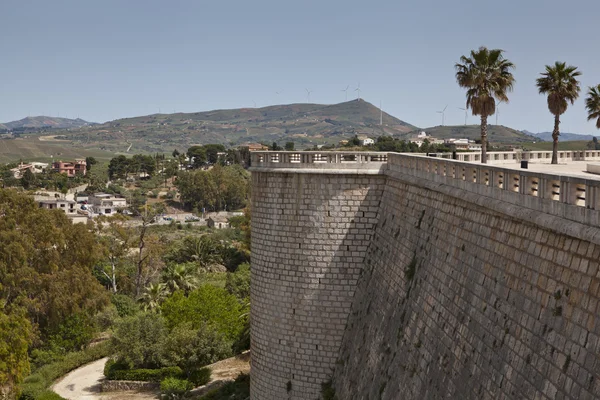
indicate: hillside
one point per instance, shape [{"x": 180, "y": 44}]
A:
[
  {"x": 304, "y": 124},
  {"x": 564, "y": 137},
  {"x": 44, "y": 122},
  {"x": 496, "y": 133}
]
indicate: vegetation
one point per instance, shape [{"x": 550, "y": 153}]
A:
[
  {"x": 237, "y": 390},
  {"x": 486, "y": 76},
  {"x": 592, "y": 105},
  {"x": 560, "y": 83}
]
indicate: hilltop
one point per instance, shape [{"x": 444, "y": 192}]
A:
[
  {"x": 496, "y": 133},
  {"x": 304, "y": 124},
  {"x": 41, "y": 122}
]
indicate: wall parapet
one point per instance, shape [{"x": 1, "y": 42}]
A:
[{"x": 569, "y": 197}]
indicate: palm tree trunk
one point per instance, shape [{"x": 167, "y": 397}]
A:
[
  {"x": 555, "y": 134},
  {"x": 484, "y": 139}
]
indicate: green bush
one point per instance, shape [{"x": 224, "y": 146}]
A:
[
  {"x": 138, "y": 340},
  {"x": 125, "y": 305},
  {"x": 36, "y": 384},
  {"x": 147, "y": 375},
  {"x": 48, "y": 395},
  {"x": 173, "y": 388},
  {"x": 200, "y": 377}
]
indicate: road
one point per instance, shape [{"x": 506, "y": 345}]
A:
[{"x": 82, "y": 383}]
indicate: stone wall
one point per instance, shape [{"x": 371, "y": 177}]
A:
[
  {"x": 310, "y": 233},
  {"x": 116, "y": 386},
  {"x": 461, "y": 299},
  {"x": 406, "y": 281}
]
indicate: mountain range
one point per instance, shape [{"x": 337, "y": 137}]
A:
[
  {"x": 564, "y": 137},
  {"x": 43, "y": 122}
]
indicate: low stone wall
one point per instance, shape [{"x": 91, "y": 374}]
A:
[{"x": 114, "y": 386}]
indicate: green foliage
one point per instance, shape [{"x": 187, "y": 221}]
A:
[
  {"x": 138, "y": 340},
  {"x": 36, "y": 384},
  {"x": 200, "y": 377},
  {"x": 119, "y": 167},
  {"x": 46, "y": 264},
  {"x": 191, "y": 348},
  {"x": 173, "y": 388},
  {"x": 217, "y": 189},
  {"x": 237, "y": 390},
  {"x": 205, "y": 305},
  {"x": 15, "y": 338},
  {"x": 146, "y": 375},
  {"x": 289, "y": 146},
  {"x": 201, "y": 250},
  {"x": 125, "y": 305},
  {"x": 73, "y": 333},
  {"x": 238, "y": 283}
]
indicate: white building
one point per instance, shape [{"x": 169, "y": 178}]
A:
[
  {"x": 365, "y": 141},
  {"x": 464, "y": 144},
  {"x": 106, "y": 204},
  {"x": 35, "y": 167},
  {"x": 69, "y": 207}
]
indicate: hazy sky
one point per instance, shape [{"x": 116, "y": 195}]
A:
[{"x": 102, "y": 60}]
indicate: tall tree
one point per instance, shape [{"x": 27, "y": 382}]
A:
[
  {"x": 487, "y": 76},
  {"x": 560, "y": 83},
  {"x": 592, "y": 105}
]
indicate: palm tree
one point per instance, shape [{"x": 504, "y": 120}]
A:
[
  {"x": 180, "y": 277},
  {"x": 486, "y": 76},
  {"x": 560, "y": 84},
  {"x": 153, "y": 296},
  {"x": 592, "y": 104}
]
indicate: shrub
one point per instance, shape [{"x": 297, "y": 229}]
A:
[
  {"x": 138, "y": 340},
  {"x": 238, "y": 283},
  {"x": 173, "y": 388},
  {"x": 207, "y": 304},
  {"x": 146, "y": 375},
  {"x": 125, "y": 305},
  {"x": 191, "y": 348},
  {"x": 200, "y": 377}
]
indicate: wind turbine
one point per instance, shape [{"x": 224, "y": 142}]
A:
[
  {"x": 358, "y": 90},
  {"x": 442, "y": 112},
  {"x": 497, "y": 113},
  {"x": 465, "y": 110},
  {"x": 346, "y": 90},
  {"x": 308, "y": 92}
]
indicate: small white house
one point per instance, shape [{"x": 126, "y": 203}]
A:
[{"x": 106, "y": 204}]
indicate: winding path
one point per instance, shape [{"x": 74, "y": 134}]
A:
[{"x": 82, "y": 383}]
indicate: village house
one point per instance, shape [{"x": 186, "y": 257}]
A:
[
  {"x": 69, "y": 207},
  {"x": 34, "y": 167},
  {"x": 106, "y": 204},
  {"x": 70, "y": 168}
]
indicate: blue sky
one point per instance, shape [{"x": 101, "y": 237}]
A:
[{"x": 109, "y": 59}]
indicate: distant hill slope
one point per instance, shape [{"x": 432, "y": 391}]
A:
[
  {"x": 45, "y": 122},
  {"x": 496, "y": 133},
  {"x": 564, "y": 137},
  {"x": 304, "y": 124}
]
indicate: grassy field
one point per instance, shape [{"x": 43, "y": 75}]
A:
[
  {"x": 547, "y": 146},
  {"x": 33, "y": 149}
]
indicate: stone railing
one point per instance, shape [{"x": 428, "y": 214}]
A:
[
  {"x": 316, "y": 161},
  {"x": 571, "y": 197},
  {"x": 511, "y": 157}
]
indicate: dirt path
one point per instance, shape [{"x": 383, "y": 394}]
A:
[{"x": 82, "y": 383}]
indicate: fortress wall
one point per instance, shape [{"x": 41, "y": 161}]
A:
[
  {"x": 461, "y": 299},
  {"x": 310, "y": 232}
]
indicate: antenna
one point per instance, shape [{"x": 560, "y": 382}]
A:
[
  {"x": 443, "y": 112},
  {"x": 254, "y": 103},
  {"x": 308, "y": 92},
  {"x": 465, "y": 110},
  {"x": 346, "y": 90},
  {"x": 358, "y": 90}
]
